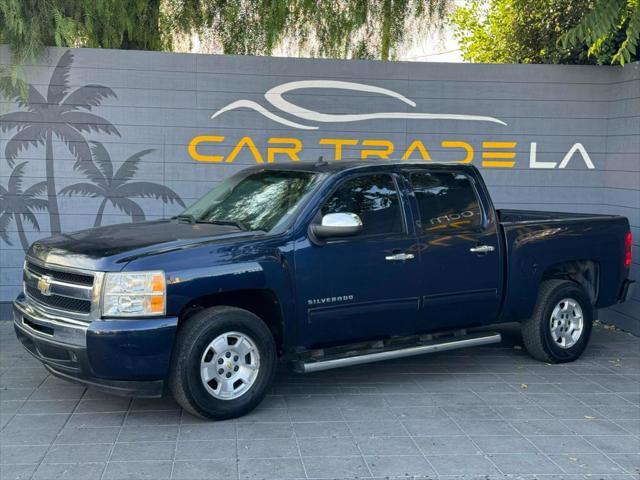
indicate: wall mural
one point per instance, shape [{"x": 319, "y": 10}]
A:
[{"x": 66, "y": 115}]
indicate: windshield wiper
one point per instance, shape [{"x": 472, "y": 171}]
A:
[
  {"x": 234, "y": 223},
  {"x": 191, "y": 219}
]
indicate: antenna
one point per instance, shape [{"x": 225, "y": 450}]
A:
[{"x": 321, "y": 161}]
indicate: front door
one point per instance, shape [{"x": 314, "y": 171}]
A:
[
  {"x": 460, "y": 266},
  {"x": 361, "y": 287}
]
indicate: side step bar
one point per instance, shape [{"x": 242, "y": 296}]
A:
[{"x": 438, "y": 345}]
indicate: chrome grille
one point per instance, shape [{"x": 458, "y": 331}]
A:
[
  {"x": 58, "y": 301},
  {"x": 59, "y": 289},
  {"x": 63, "y": 276}
]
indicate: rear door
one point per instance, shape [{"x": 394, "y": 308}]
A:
[
  {"x": 366, "y": 286},
  {"x": 460, "y": 266}
]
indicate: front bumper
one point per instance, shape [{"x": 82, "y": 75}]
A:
[{"x": 123, "y": 357}]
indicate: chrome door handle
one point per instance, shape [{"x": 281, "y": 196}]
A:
[
  {"x": 482, "y": 249},
  {"x": 400, "y": 257}
]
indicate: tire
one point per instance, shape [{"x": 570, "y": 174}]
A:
[
  {"x": 562, "y": 342},
  {"x": 245, "y": 378}
]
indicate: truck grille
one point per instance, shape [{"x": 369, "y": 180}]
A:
[
  {"x": 61, "y": 290},
  {"x": 60, "y": 275},
  {"x": 59, "y": 302}
]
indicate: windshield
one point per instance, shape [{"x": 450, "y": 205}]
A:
[{"x": 253, "y": 201}]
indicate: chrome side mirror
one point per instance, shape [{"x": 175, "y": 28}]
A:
[{"x": 337, "y": 225}]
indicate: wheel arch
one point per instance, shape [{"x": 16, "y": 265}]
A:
[
  {"x": 585, "y": 273},
  {"x": 263, "y": 303}
]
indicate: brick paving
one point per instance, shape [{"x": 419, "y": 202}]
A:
[{"x": 481, "y": 413}]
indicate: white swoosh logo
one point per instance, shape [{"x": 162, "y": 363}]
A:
[{"x": 274, "y": 97}]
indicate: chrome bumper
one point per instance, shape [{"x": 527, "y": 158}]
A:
[{"x": 46, "y": 327}]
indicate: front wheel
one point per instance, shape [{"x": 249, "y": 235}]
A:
[
  {"x": 223, "y": 364},
  {"x": 560, "y": 327}
]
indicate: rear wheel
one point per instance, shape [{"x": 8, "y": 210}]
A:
[
  {"x": 223, "y": 364},
  {"x": 560, "y": 327}
]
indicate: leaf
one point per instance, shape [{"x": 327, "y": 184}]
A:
[
  {"x": 88, "y": 96},
  {"x": 31, "y": 218},
  {"x": 129, "y": 168},
  {"x": 15, "y": 179},
  {"x": 75, "y": 142},
  {"x": 31, "y": 135},
  {"x": 5, "y": 218},
  {"x": 149, "y": 190},
  {"x": 88, "y": 122},
  {"x": 129, "y": 207},
  {"x": 101, "y": 156},
  {"x": 18, "y": 120},
  {"x": 86, "y": 189},
  {"x": 38, "y": 204},
  {"x": 32, "y": 101},
  {"x": 36, "y": 189},
  {"x": 59, "y": 83}
]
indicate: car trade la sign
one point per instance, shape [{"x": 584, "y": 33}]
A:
[{"x": 493, "y": 154}]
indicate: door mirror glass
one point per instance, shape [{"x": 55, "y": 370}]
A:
[{"x": 343, "y": 224}]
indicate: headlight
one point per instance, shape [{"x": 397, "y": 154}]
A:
[{"x": 134, "y": 294}]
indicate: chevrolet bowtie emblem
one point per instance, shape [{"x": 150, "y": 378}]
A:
[{"x": 44, "y": 285}]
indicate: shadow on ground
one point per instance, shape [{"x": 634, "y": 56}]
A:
[{"x": 487, "y": 413}]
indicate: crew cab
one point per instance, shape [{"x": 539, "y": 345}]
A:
[{"x": 317, "y": 265}]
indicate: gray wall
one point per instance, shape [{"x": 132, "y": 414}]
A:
[{"x": 164, "y": 100}]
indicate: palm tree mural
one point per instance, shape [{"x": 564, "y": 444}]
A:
[
  {"x": 117, "y": 187},
  {"x": 58, "y": 115},
  {"x": 18, "y": 205}
]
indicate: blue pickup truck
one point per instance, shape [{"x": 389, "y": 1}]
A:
[{"x": 317, "y": 265}]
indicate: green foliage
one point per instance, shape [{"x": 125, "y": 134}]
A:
[
  {"x": 548, "y": 31},
  {"x": 332, "y": 28},
  {"x": 609, "y": 21},
  {"x": 30, "y": 25}
]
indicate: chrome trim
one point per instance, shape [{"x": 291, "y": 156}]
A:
[
  {"x": 400, "y": 257},
  {"x": 482, "y": 249},
  {"x": 450, "y": 344},
  {"x": 341, "y": 220},
  {"x": 65, "y": 331},
  {"x": 58, "y": 287},
  {"x": 66, "y": 289},
  {"x": 96, "y": 300},
  {"x": 62, "y": 268}
]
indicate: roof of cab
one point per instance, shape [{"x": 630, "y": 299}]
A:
[{"x": 344, "y": 165}]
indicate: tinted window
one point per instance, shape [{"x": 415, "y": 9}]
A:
[
  {"x": 374, "y": 198},
  {"x": 446, "y": 200}
]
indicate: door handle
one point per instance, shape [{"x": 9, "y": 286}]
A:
[
  {"x": 400, "y": 257},
  {"x": 482, "y": 249}
]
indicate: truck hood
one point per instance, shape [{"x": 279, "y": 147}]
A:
[{"x": 111, "y": 248}]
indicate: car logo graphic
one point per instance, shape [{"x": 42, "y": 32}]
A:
[
  {"x": 44, "y": 285},
  {"x": 275, "y": 97}
]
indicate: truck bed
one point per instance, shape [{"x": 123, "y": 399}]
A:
[{"x": 523, "y": 216}]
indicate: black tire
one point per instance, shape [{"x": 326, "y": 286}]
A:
[
  {"x": 536, "y": 331},
  {"x": 193, "y": 339}
]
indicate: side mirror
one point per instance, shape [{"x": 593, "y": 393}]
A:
[{"x": 337, "y": 225}]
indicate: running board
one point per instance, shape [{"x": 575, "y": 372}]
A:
[{"x": 438, "y": 345}]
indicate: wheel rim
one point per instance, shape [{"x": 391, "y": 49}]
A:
[
  {"x": 229, "y": 365},
  {"x": 567, "y": 323}
]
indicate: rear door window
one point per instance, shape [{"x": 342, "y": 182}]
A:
[{"x": 446, "y": 201}]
